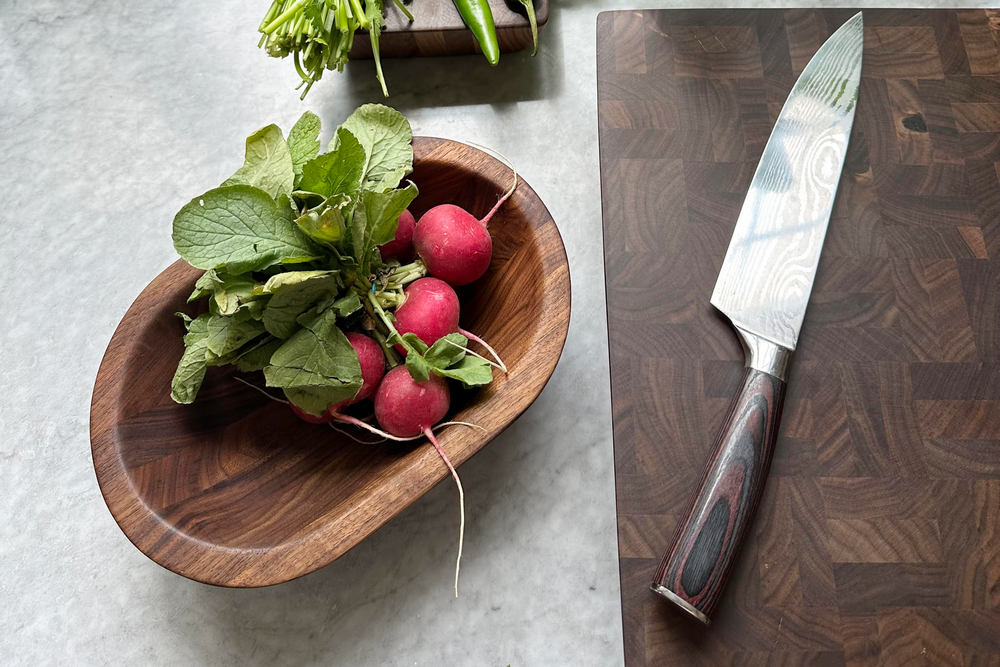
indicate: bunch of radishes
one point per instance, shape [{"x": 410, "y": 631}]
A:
[{"x": 455, "y": 249}]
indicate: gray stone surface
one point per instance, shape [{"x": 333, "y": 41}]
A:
[{"x": 112, "y": 116}]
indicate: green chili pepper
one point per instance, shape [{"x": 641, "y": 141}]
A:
[{"x": 478, "y": 16}]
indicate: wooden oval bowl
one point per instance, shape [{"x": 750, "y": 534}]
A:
[{"x": 235, "y": 490}]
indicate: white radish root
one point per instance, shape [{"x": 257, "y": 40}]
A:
[{"x": 461, "y": 502}]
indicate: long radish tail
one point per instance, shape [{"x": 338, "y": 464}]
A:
[
  {"x": 347, "y": 419},
  {"x": 262, "y": 391},
  {"x": 486, "y": 220},
  {"x": 472, "y": 336},
  {"x": 353, "y": 437},
  {"x": 461, "y": 501}
]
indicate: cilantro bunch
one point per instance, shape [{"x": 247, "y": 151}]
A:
[
  {"x": 319, "y": 34},
  {"x": 289, "y": 245}
]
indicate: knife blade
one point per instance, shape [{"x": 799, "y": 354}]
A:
[{"x": 763, "y": 288}]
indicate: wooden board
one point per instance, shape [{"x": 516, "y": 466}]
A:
[
  {"x": 437, "y": 30},
  {"x": 877, "y": 540}
]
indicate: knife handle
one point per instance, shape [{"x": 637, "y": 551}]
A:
[{"x": 694, "y": 571}]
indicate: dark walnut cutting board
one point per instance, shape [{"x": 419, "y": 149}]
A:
[{"x": 877, "y": 540}]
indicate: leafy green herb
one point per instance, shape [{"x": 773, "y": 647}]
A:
[{"x": 319, "y": 34}]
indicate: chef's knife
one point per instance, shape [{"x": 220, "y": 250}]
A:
[{"x": 763, "y": 288}]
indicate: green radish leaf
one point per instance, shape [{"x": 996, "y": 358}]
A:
[
  {"x": 340, "y": 171},
  {"x": 268, "y": 163},
  {"x": 187, "y": 319},
  {"x": 294, "y": 293},
  {"x": 251, "y": 310},
  {"x": 319, "y": 360},
  {"x": 303, "y": 142},
  {"x": 257, "y": 357},
  {"x": 471, "y": 371},
  {"x": 347, "y": 305},
  {"x": 414, "y": 340},
  {"x": 446, "y": 351},
  {"x": 205, "y": 285},
  {"x": 305, "y": 200},
  {"x": 386, "y": 137},
  {"x": 228, "y": 292},
  {"x": 227, "y": 334},
  {"x": 191, "y": 369},
  {"x": 289, "y": 279},
  {"x": 241, "y": 227},
  {"x": 313, "y": 400},
  {"x": 326, "y": 222},
  {"x": 419, "y": 369},
  {"x": 375, "y": 220}
]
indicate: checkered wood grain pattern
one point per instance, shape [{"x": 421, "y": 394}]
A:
[{"x": 877, "y": 541}]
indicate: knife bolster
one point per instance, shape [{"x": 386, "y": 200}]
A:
[{"x": 764, "y": 355}]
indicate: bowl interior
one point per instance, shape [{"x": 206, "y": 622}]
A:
[{"x": 234, "y": 489}]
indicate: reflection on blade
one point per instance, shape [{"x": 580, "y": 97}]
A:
[{"x": 769, "y": 268}]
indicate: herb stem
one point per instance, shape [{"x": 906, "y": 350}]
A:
[
  {"x": 359, "y": 14},
  {"x": 403, "y": 9},
  {"x": 284, "y": 16}
]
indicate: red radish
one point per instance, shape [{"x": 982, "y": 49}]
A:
[
  {"x": 405, "y": 407},
  {"x": 455, "y": 246},
  {"x": 401, "y": 247},
  {"x": 430, "y": 310},
  {"x": 372, "y": 369},
  {"x": 372, "y": 366}
]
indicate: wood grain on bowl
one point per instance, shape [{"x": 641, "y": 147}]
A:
[{"x": 235, "y": 490}]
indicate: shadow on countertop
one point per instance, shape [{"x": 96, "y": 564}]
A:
[{"x": 337, "y": 614}]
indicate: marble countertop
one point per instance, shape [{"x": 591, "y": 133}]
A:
[{"x": 112, "y": 116}]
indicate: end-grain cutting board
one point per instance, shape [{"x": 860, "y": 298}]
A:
[{"x": 877, "y": 540}]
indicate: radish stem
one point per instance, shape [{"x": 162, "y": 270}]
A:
[{"x": 461, "y": 501}]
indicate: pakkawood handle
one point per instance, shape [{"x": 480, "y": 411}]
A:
[{"x": 693, "y": 573}]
